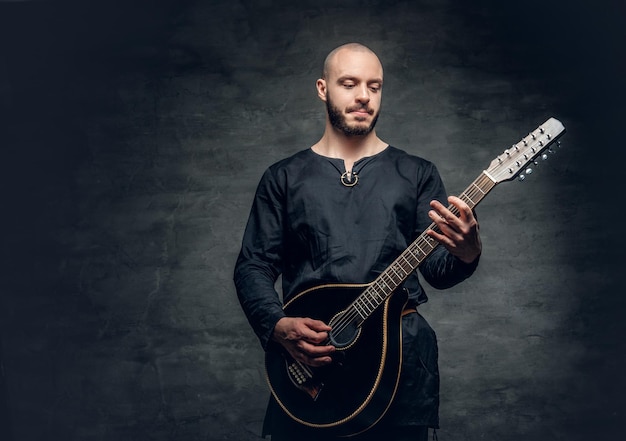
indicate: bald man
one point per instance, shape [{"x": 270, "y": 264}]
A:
[{"x": 340, "y": 212}]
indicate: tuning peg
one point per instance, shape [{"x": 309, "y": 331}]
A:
[{"x": 527, "y": 172}]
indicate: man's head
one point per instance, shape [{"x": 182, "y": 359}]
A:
[{"x": 351, "y": 87}]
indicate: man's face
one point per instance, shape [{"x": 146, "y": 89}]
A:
[{"x": 353, "y": 92}]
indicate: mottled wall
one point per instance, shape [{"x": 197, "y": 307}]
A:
[{"x": 133, "y": 135}]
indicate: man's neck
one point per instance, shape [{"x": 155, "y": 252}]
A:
[{"x": 350, "y": 148}]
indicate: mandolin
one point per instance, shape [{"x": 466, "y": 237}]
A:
[{"x": 354, "y": 392}]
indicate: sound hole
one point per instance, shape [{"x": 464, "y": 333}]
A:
[{"x": 344, "y": 333}]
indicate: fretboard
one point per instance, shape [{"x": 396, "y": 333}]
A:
[{"x": 401, "y": 268}]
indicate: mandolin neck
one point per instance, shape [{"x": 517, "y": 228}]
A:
[
  {"x": 510, "y": 164},
  {"x": 390, "y": 279}
]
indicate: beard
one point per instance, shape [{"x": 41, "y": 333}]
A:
[{"x": 338, "y": 120}]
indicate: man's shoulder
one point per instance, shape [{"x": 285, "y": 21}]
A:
[
  {"x": 290, "y": 165},
  {"x": 402, "y": 156},
  {"x": 296, "y": 159}
]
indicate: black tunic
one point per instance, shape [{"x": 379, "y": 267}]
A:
[{"x": 309, "y": 228}]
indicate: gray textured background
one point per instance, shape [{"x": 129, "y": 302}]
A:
[{"x": 133, "y": 135}]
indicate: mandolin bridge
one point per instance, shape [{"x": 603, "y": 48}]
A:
[{"x": 303, "y": 378}]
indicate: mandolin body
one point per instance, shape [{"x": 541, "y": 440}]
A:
[{"x": 355, "y": 391}]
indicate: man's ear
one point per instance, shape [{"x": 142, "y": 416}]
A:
[{"x": 321, "y": 89}]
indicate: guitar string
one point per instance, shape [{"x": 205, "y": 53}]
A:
[
  {"x": 473, "y": 202},
  {"x": 386, "y": 282},
  {"x": 472, "y": 195}
]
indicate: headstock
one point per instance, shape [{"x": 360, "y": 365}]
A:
[{"x": 514, "y": 160}]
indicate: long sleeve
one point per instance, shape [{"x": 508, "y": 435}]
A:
[
  {"x": 260, "y": 260},
  {"x": 441, "y": 269}
]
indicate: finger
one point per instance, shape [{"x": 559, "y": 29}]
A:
[
  {"x": 444, "y": 221},
  {"x": 310, "y": 360},
  {"x": 465, "y": 212},
  {"x": 317, "y": 362},
  {"x": 441, "y": 213},
  {"x": 316, "y": 350},
  {"x": 317, "y": 325},
  {"x": 435, "y": 235},
  {"x": 314, "y": 331},
  {"x": 437, "y": 206},
  {"x": 444, "y": 237},
  {"x": 314, "y": 355}
]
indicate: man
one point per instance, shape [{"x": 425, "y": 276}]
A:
[{"x": 341, "y": 212}]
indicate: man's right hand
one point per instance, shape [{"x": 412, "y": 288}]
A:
[{"x": 302, "y": 337}]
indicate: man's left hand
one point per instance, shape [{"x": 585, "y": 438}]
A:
[{"x": 459, "y": 234}]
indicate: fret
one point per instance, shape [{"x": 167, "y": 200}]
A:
[
  {"x": 432, "y": 243},
  {"x": 421, "y": 254},
  {"x": 400, "y": 276},
  {"x": 359, "y": 311},
  {"x": 372, "y": 292},
  {"x": 364, "y": 305},
  {"x": 425, "y": 242},
  {"x": 406, "y": 267},
  {"x": 371, "y": 305},
  {"x": 429, "y": 240},
  {"x": 396, "y": 268},
  {"x": 478, "y": 187},
  {"x": 468, "y": 200},
  {"x": 379, "y": 297},
  {"x": 418, "y": 251},
  {"x": 390, "y": 281},
  {"x": 382, "y": 285},
  {"x": 412, "y": 253},
  {"x": 393, "y": 276},
  {"x": 404, "y": 258}
]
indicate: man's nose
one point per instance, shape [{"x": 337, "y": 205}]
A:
[{"x": 363, "y": 95}]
